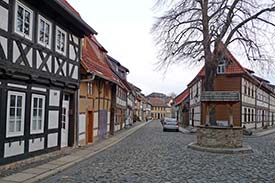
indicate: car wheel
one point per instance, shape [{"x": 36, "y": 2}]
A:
[
  {"x": 164, "y": 129},
  {"x": 177, "y": 130}
]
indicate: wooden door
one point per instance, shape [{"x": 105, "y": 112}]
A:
[{"x": 90, "y": 127}]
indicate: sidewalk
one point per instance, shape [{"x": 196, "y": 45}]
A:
[
  {"x": 37, "y": 173},
  {"x": 262, "y": 132},
  {"x": 255, "y": 133}
]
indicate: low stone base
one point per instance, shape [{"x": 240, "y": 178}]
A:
[
  {"x": 242, "y": 150},
  {"x": 220, "y": 137}
]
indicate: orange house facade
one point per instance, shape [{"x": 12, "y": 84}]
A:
[
  {"x": 256, "y": 107},
  {"x": 97, "y": 81}
]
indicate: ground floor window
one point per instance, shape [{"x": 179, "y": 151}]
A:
[
  {"x": 37, "y": 113},
  {"x": 15, "y": 113}
]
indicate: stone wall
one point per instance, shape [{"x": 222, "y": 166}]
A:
[{"x": 220, "y": 137}]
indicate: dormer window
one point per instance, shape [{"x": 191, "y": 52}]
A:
[
  {"x": 23, "y": 20},
  {"x": 221, "y": 67}
]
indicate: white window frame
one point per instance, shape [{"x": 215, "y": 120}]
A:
[
  {"x": 50, "y": 32},
  {"x": 43, "y": 114},
  {"x": 222, "y": 67},
  {"x": 19, "y": 133},
  {"x": 65, "y": 41},
  {"x": 17, "y": 3}
]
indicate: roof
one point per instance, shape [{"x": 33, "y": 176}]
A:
[
  {"x": 74, "y": 17},
  {"x": 94, "y": 60},
  {"x": 117, "y": 63},
  {"x": 70, "y": 6},
  {"x": 123, "y": 83},
  {"x": 156, "y": 94},
  {"x": 181, "y": 97},
  {"x": 158, "y": 102},
  {"x": 235, "y": 68}
]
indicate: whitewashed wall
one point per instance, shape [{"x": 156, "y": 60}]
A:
[
  {"x": 14, "y": 148},
  {"x": 96, "y": 124},
  {"x": 82, "y": 127}
]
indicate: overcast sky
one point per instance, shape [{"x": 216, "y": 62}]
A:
[{"x": 123, "y": 28}]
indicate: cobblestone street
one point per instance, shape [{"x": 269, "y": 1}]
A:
[{"x": 151, "y": 155}]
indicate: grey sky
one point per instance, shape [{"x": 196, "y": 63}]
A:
[{"x": 123, "y": 28}]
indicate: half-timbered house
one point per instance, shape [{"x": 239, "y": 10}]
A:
[
  {"x": 39, "y": 61},
  {"x": 119, "y": 109},
  {"x": 97, "y": 81},
  {"x": 257, "y": 101}
]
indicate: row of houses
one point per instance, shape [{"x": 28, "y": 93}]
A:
[
  {"x": 255, "y": 109},
  {"x": 59, "y": 87}
]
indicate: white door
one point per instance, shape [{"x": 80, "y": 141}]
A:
[{"x": 65, "y": 124}]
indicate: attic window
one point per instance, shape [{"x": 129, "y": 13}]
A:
[{"x": 221, "y": 67}]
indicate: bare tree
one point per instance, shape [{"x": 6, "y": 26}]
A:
[{"x": 194, "y": 30}]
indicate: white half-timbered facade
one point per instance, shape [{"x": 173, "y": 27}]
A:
[{"x": 40, "y": 43}]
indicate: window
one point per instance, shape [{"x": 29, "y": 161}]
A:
[
  {"x": 23, "y": 22},
  {"x": 37, "y": 114},
  {"x": 245, "y": 119},
  {"x": 221, "y": 67},
  {"x": 90, "y": 88},
  {"x": 44, "y": 32},
  {"x": 15, "y": 114},
  {"x": 248, "y": 115},
  {"x": 60, "y": 41},
  {"x": 252, "y": 115}
]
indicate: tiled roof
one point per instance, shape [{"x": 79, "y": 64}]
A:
[
  {"x": 236, "y": 68},
  {"x": 181, "y": 97},
  {"x": 70, "y": 6},
  {"x": 157, "y": 102},
  {"x": 233, "y": 68},
  {"x": 72, "y": 15},
  {"x": 94, "y": 60}
]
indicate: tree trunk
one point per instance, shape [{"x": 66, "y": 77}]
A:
[{"x": 210, "y": 72}]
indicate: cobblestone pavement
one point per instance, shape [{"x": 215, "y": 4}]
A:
[{"x": 150, "y": 155}]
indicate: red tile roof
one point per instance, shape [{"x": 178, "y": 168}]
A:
[
  {"x": 181, "y": 97},
  {"x": 233, "y": 68},
  {"x": 94, "y": 60},
  {"x": 70, "y": 6},
  {"x": 158, "y": 102}
]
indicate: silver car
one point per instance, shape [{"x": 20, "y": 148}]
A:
[{"x": 170, "y": 124}]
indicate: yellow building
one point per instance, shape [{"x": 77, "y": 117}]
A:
[{"x": 95, "y": 98}]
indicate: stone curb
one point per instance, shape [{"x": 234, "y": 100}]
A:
[
  {"x": 54, "y": 171},
  {"x": 243, "y": 150},
  {"x": 260, "y": 134}
]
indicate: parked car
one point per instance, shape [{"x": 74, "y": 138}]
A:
[{"x": 170, "y": 124}]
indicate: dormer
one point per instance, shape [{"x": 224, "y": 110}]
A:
[{"x": 221, "y": 69}]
